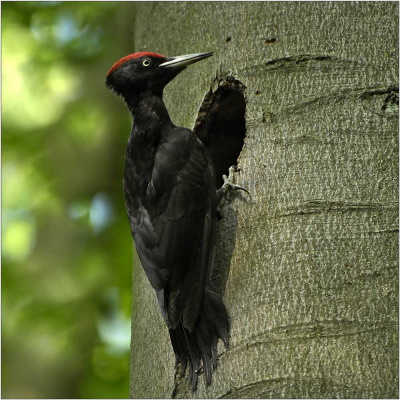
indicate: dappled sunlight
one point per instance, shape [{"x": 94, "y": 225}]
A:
[
  {"x": 18, "y": 239},
  {"x": 65, "y": 239},
  {"x": 23, "y": 185},
  {"x": 33, "y": 97}
]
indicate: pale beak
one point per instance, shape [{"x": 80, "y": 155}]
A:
[{"x": 183, "y": 61}]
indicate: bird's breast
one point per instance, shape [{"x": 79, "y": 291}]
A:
[{"x": 139, "y": 164}]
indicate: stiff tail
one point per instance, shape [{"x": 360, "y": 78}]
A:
[{"x": 201, "y": 344}]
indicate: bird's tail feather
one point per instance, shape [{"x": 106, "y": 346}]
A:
[{"x": 201, "y": 344}]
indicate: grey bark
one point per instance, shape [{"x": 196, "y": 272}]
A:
[{"x": 311, "y": 262}]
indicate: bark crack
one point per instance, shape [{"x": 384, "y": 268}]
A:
[
  {"x": 319, "y": 206},
  {"x": 315, "y": 330},
  {"x": 260, "y": 388}
]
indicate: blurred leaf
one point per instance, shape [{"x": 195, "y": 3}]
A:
[
  {"x": 18, "y": 239},
  {"x": 66, "y": 240}
]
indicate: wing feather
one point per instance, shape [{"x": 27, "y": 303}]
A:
[{"x": 174, "y": 225}]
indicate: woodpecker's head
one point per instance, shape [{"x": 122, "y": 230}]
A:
[{"x": 140, "y": 72}]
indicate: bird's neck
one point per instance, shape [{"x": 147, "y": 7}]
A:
[{"x": 149, "y": 111}]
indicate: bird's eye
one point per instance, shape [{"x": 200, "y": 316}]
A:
[{"x": 146, "y": 62}]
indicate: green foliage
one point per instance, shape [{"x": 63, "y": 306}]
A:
[{"x": 67, "y": 251}]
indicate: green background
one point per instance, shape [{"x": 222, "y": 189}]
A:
[{"x": 66, "y": 245}]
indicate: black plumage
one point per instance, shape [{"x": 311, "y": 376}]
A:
[{"x": 171, "y": 202}]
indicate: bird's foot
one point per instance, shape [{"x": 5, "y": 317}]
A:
[{"x": 229, "y": 189}]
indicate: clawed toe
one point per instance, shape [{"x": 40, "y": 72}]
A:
[{"x": 229, "y": 186}]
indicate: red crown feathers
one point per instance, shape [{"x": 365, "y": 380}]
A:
[{"x": 132, "y": 56}]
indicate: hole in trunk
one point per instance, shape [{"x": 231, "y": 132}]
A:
[{"x": 221, "y": 125}]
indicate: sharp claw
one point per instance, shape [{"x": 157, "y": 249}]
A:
[
  {"x": 242, "y": 188},
  {"x": 229, "y": 183}
]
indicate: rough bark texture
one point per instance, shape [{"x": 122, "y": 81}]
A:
[{"x": 309, "y": 267}]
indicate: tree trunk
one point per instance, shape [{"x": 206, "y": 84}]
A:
[{"x": 308, "y": 267}]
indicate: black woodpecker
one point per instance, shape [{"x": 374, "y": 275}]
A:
[{"x": 171, "y": 201}]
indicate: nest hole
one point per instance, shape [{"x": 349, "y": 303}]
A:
[{"x": 221, "y": 126}]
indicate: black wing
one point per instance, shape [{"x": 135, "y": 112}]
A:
[{"x": 174, "y": 228}]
